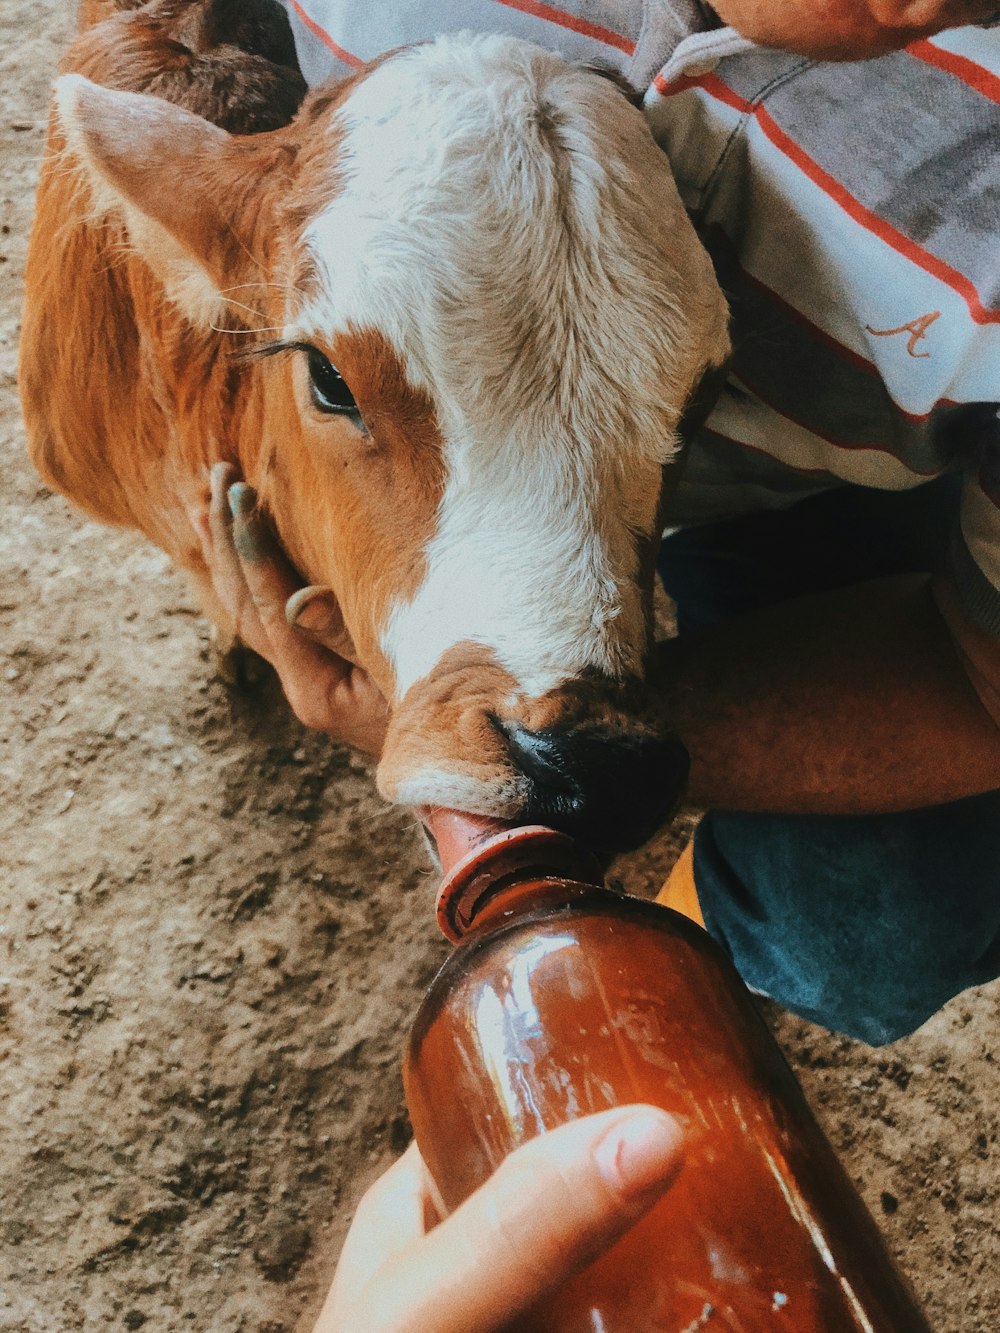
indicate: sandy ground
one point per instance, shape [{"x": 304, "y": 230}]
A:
[{"x": 214, "y": 935}]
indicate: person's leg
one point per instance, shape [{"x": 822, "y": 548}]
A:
[
  {"x": 864, "y": 924},
  {"x": 867, "y": 924}
]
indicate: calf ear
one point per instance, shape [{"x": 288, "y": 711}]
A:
[{"x": 195, "y": 200}]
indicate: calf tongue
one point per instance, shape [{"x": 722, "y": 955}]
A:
[
  {"x": 456, "y": 834},
  {"x": 476, "y": 851}
]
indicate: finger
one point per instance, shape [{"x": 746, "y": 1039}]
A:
[
  {"x": 270, "y": 582},
  {"x": 268, "y": 575},
  {"x": 360, "y": 710},
  {"x": 227, "y": 577},
  {"x": 389, "y": 1218},
  {"x": 251, "y": 571},
  {"x": 326, "y": 691},
  {"x": 201, "y": 524},
  {"x": 225, "y": 568},
  {"x": 257, "y": 547},
  {"x": 550, "y": 1210},
  {"x": 315, "y": 611}
]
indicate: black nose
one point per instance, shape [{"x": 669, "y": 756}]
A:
[{"x": 611, "y": 789}]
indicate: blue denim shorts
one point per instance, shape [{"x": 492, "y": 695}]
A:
[{"x": 864, "y": 924}]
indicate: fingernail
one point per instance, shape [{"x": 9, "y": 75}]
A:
[
  {"x": 242, "y": 499},
  {"x": 640, "y": 1153}
]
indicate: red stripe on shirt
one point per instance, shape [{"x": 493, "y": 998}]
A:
[
  {"x": 820, "y": 335},
  {"x": 679, "y": 85},
  {"x": 832, "y": 188},
  {"x": 757, "y": 449},
  {"x": 975, "y": 76},
  {"x": 838, "y": 348},
  {"x": 856, "y": 210},
  {"x": 552, "y": 15},
  {"x": 848, "y": 446},
  {"x": 715, "y": 231},
  {"x": 709, "y": 83},
  {"x": 345, "y": 57}
]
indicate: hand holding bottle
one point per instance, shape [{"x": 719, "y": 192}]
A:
[{"x": 551, "y": 1208}]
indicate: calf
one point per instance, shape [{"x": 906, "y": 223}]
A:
[{"x": 445, "y": 317}]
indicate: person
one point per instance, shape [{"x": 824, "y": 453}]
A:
[{"x": 836, "y": 556}]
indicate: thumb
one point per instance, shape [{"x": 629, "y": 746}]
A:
[
  {"x": 551, "y": 1208},
  {"x": 316, "y": 611}
]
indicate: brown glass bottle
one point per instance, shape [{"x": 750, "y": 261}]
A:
[{"x": 565, "y": 998}]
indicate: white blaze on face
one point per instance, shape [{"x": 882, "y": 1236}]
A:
[
  {"x": 508, "y": 224},
  {"x": 524, "y": 563}
]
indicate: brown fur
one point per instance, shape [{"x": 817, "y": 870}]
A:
[
  {"x": 459, "y": 698},
  {"x": 177, "y": 50},
  {"x": 127, "y": 403},
  {"x": 327, "y": 482},
  {"x": 119, "y": 391}
]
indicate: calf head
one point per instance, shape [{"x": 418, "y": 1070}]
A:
[{"x": 478, "y": 313}]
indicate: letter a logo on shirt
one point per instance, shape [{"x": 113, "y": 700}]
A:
[{"x": 916, "y": 328}]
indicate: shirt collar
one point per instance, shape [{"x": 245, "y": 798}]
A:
[{"x": 676, "y": 36}]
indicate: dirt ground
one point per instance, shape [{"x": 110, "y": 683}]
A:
[{"x": 214, "y": 935}]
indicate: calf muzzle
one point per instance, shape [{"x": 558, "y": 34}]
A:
[{"x": 609, "y": 787}]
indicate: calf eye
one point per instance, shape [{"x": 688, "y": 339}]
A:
[{"x": 328, "y": 387}]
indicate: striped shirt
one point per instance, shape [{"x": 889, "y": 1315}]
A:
[{"x": 853, "y": 215}]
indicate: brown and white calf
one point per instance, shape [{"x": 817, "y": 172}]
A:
[{"x": 484, "y": 310}]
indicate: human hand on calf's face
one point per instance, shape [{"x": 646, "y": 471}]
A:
[{"x": 299, "y": 630}]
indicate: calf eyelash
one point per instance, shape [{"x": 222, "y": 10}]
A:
[
  {"x": 331, "y": 394},
  {"x": 275, "y": 347}
]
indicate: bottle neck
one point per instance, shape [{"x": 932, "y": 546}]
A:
[{"x": 494, "y": 871}]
